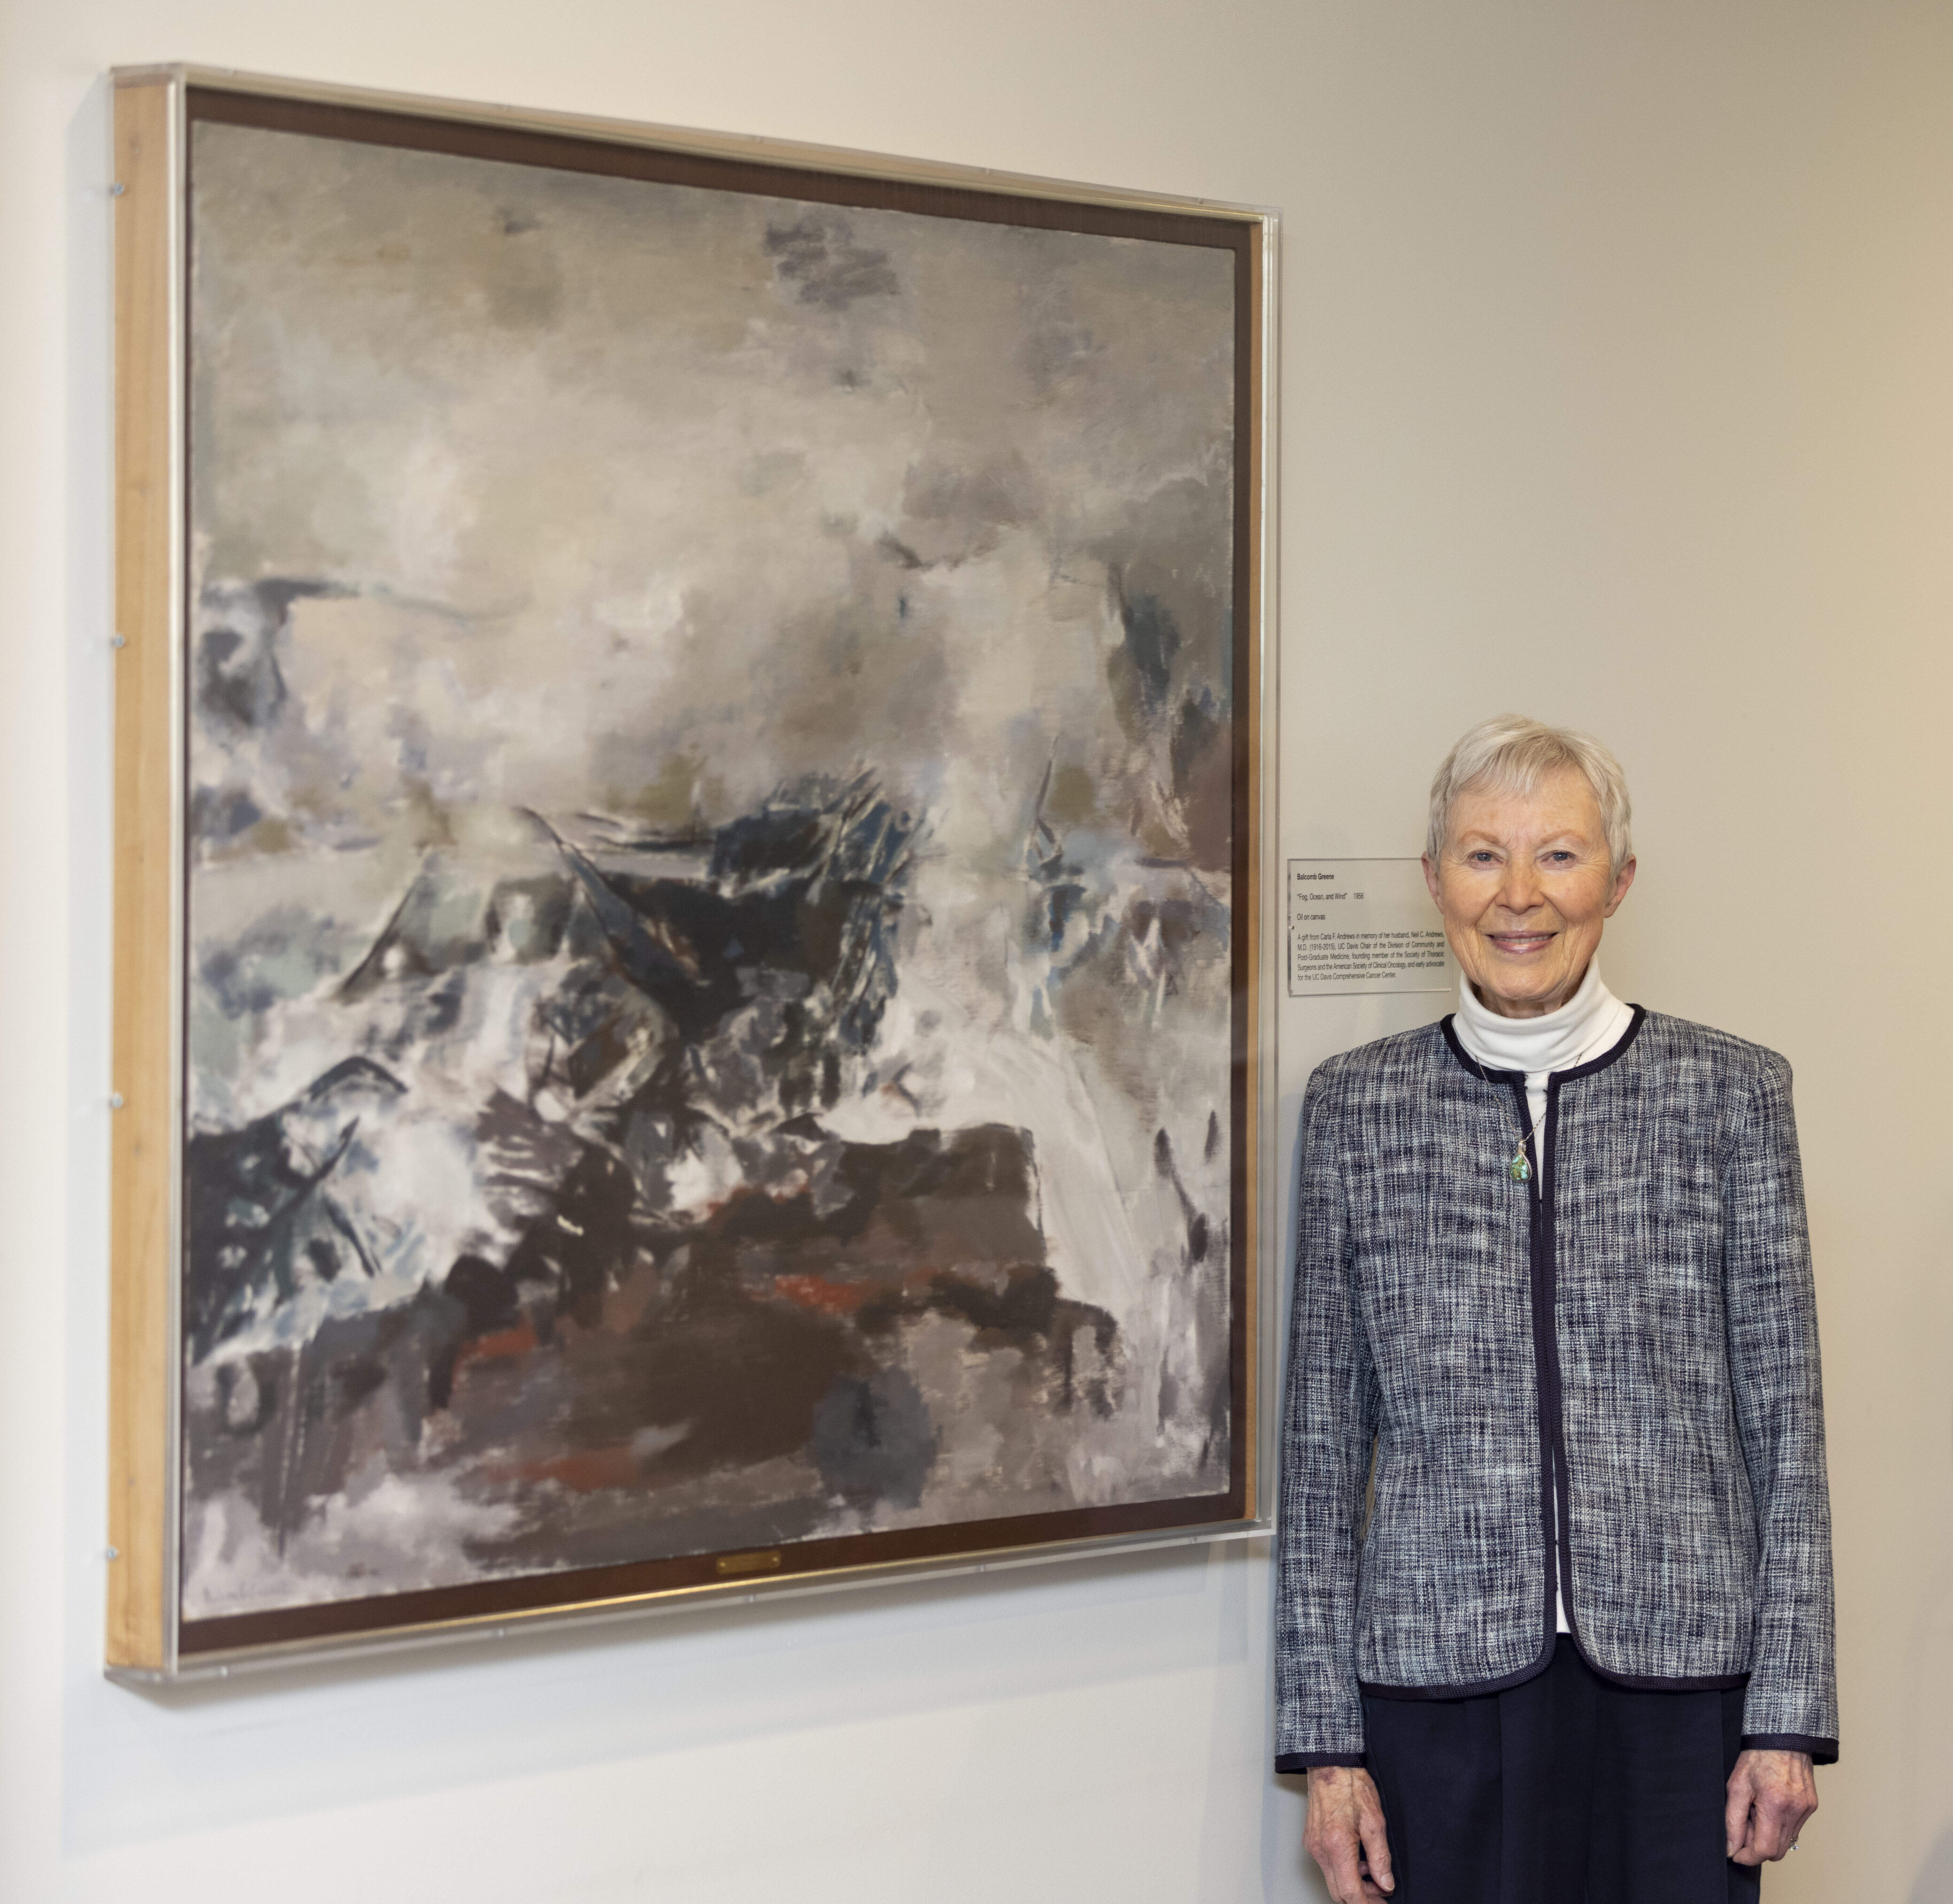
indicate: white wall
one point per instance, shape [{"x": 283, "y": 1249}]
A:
[{"x": 1620, "y": 386}]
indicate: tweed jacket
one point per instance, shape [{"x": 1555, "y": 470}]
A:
[{"x": 1605, "y": 1379}]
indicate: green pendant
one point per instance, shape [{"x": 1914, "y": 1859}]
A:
[{"x": 1520, "y": 1170}]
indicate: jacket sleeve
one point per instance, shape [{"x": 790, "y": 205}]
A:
[
  {"x": 1791, "y": 1705},
  {"x": 1329, "y": 1421}
]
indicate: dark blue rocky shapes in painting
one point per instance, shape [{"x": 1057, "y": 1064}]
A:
[
  {"x": 874, "y": 1440},
  {"x": 611, "y": 1348},
  {"x": 239, "y": 684},
  {"x": 810, "y": 885},
  {"x": 264, "y": 1222}
]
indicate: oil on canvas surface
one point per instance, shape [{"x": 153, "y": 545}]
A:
[{"x": 710, "y": 831}]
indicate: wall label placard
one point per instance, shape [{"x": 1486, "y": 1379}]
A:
[{"x": 1364, "y": 925}]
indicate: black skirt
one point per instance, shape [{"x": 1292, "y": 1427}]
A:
[{"x": 1567, "y": 1789}]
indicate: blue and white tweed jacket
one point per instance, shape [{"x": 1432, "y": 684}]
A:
[{"x": 1632, "y": 1335}]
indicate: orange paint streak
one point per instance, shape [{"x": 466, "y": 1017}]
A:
[
  {"x": 832, "y": 1298},
  {"x": 518, "y": 1340},
  {"x": 589, "y": 1471},
  {"x": 817, "y": 1293}
]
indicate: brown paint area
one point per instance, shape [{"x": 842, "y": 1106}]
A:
[{"x": 668, "y": 1388}]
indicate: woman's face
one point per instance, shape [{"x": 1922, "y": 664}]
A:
[{"x": 1523, "y": 888}]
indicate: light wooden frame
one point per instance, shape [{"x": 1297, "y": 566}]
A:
[{"x": 150, "y": 141}]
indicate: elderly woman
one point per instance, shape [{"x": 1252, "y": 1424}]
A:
[{"x": 1554, "y": 1619}]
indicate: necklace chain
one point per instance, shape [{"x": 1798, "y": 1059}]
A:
[{"x": 1518, "y": 1167}]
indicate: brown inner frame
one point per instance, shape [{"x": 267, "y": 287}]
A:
[{"x": 565, "y": 1592}]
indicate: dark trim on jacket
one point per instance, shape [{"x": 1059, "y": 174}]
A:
[
  {"x": 1307, "y": 1761},
  {"x": 1823, "y": 1751}
]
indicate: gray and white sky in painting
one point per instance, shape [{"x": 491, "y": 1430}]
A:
[{"x": 619, "y": 475}]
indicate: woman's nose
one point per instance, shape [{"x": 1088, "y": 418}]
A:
[{"x": 1519, "y": 890}]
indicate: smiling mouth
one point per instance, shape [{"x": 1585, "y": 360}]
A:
[{"x": 1519, "y": 943}]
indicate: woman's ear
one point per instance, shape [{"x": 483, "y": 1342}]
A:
[
  {"x": 1623, "y": 880},
  {"x": 1431, "y": 881}
]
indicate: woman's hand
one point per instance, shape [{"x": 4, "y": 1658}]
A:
[
  {"x": 1346, "y": 1832},
  {"x": 1771, "y": 1795}
]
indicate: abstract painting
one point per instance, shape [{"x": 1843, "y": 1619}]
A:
[{"x": 714, "y": 820}]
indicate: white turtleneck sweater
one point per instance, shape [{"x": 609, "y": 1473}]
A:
[{"x": 1590, "y": 1023}]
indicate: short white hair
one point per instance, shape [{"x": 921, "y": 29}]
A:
[{"x": 1514, "y": 754}]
